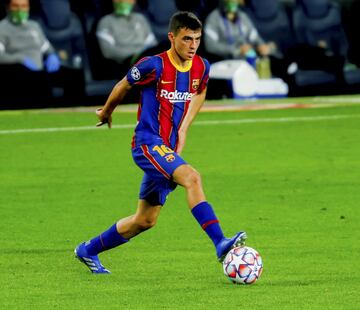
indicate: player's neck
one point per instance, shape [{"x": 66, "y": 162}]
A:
[{"x": 178, "y": 62}]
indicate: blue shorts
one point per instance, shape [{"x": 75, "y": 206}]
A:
[{"x": 158, "y": 163}]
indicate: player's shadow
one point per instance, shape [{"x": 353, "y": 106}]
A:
[
  {"x": 288, "y": 283},
  {"x": 282, "y": 283}
]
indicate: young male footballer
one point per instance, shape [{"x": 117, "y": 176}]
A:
[{"x": 173, "y": 86}]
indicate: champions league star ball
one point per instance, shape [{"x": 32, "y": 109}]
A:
[{"x": 243, "y": 265}]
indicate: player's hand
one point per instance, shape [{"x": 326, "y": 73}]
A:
[
  {"x": 30, "y": 64},
  {"x": 52, "y": 63},
  {"x": 181, "y": 142},
  {"x": 245, "y": 48},
  {"x": 103, "y": 119}
]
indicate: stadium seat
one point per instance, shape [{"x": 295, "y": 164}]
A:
[
  {"x": 318, "y": 24},
  {"x": 351, "y": 21},
  {"x": 201, "y": 8},
  {"x": 90, "y": 10},
  {"x": 272, "y": 21},
  {"x": 158, "y": 13},
  {"x": 65, "y": 31}
]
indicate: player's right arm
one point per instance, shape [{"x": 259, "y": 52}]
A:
[
  {"x": 142, "y": 73},
  {"x": 116, "y": 96}
]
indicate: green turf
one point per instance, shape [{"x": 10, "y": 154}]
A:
[{"x": 293, "y": 186}]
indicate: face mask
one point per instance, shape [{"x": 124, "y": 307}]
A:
[
  {"x": 230, "y": 6},
  {"x": 19, "y": 17},
  {"x": 123, "y": 8}
]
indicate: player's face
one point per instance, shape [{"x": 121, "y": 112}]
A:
[
  {"x": 16, "y": 5},
  {"x": 185, "y": 42}
]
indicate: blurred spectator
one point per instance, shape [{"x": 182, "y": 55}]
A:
[
  {"x": 230, "y": 34},
  {"x": 124, "y": 35},
  {"x": 26, "y": 55}
]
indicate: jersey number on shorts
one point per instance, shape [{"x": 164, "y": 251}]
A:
[{"x": 164, "y": 151}]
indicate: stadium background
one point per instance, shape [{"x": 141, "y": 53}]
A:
[{"x": 98, "y": 85}]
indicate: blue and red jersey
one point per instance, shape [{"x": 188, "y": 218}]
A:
[{"x": 166, "y": 92}]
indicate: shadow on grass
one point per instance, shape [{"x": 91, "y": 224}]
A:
[{"x": 290, "y": 283}]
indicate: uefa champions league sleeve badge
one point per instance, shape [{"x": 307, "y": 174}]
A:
[{"x": 135, "y": 74}]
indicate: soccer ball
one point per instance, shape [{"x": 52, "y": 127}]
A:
[{"x": 243, "y": 265}]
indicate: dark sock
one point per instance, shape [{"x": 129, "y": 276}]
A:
[
  {"x": 105, "y": 241},
  {"x": 204, "y": 214}
]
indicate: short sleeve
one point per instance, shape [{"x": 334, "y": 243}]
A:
[
  {"x": 143, "y": 72},
  {"x": 205, "y": 78}
]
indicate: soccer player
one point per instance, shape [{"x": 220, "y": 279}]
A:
[{"x": 173, "y": 87}]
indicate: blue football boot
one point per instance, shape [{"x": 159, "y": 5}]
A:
[
  {"x": 91, "y": 261},
  {"x": 226, "y": 244}
]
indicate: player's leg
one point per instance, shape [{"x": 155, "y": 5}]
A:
[
  {"x": 162, "y": 163},
  {"x": 190, "y": 179},
  {"x": 119, "y": 233},
  {"x": 145, "y": 218}
]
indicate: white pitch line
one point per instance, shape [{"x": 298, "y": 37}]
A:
[
  {"x": 197, "y": 123},
  {"x": 58, "y": 129},
  {"x": 278, "y": 120}
]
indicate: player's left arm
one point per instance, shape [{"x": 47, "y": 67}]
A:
[{"x": 195, "y": 105}]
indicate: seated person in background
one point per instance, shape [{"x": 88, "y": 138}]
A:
[
  {"x": 124, "y": 35},
  {"x": 230, "y": 34},
  {"x": 25, "y": 54}
]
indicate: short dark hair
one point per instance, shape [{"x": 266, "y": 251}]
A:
[{"x": 184, "y": 19}]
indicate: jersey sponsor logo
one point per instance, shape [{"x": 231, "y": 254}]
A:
[
  {"x": 195, "y": 84},
  {"x": 175, "y": 96},
  {"x": 166, "y": 82},
  {"x": 135, "y": 74}
]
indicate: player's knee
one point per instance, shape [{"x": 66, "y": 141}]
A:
[
  {"x": 145, "y": 223},
  {"x": 193, "y": 179}
]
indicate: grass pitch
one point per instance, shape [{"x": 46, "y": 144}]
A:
[{"x": 290, "y": 178}]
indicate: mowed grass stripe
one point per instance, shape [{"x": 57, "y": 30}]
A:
[{"x": 198, "y": 123}]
